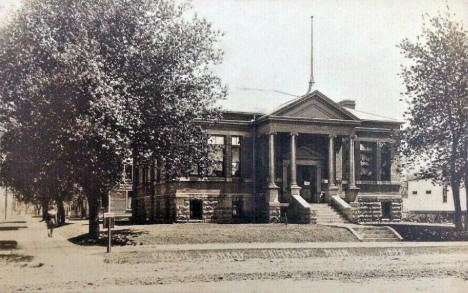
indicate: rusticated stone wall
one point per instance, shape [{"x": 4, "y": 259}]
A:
[{"x": 368, "y": 208}]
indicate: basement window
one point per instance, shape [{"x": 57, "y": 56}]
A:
[
  {"x": 386, "y": 210},
  {"x": 237, "y": 209},
  {"x": 196, "y": 209}
]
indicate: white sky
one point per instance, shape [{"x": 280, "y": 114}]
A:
[{"x": 267, "y": 45}]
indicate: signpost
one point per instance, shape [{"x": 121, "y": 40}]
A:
[{"x": 109, "y": 222}]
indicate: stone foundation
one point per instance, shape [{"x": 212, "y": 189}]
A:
[
  {"x": 176, "y": 208},
  {"x": 368, "y": 208},
  {"x": 274, "y": 212}
]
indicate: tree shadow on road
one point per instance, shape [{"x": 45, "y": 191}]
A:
[
  {"x": 13, "y": 257},
  {"x": 121, "y": 237},
  {"x": 8, "y": 244}
]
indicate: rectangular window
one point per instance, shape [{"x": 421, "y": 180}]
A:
[
  {"x": 386, "y": 162},
  {"x": 235, "y": 156},
  {"x": 194, "y": 171},
  {"x": 237, "y": 209},
  {"x": 415, "y": 192},
  {"x": 129, "y": 199},
  {"x": 216, "y": 155},
  {"x": 428, "y": 191},
  {"x": 386, "y": 210},
  {"x": 368, "y": 160},
  {"x": 128, "y": 173}
]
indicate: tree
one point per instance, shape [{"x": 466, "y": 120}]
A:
[
  {"x": 436, "y": 83},
  {"x": 91, "y": 82}
]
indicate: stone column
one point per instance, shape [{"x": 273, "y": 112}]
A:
[
  {"x": 294, "y": 188},
  {"x": 274, "y": 211},
  {"x": 332, "y": 188},
  {"x": 352, "y": 165},
  {"x": 378, "y": 161},
  {"x": 352, "y": 191}
]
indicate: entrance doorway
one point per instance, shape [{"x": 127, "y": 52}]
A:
[{"x": 308, "y": 178}]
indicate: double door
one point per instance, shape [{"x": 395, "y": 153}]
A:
[{"x": 309, "y": 179}]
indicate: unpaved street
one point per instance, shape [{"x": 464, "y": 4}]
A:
[{"x": 44, "y": 264}]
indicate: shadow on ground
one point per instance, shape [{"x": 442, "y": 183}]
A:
[
  {"x": 8, "y": 244},
  {"x": 13, "y": 257},
  {"x": 122, "y": 237},
  {"x": 13, "y": 222},
  {"x": 12, "y": 228}
]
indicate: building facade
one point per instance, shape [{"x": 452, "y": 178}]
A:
[
  {"x": 425, "y": 201},
  {"x": 281, "y": 162}
]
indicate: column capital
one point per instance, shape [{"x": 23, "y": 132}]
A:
[
  {"x": 293, "y": 133},
  {"x": 272, "y": 132},
  {"x": 353, "y": 136},
  {"x": 332, "y": 135}
]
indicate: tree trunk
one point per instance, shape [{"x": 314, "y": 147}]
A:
[
  {"x": 466, "y": 194},
  {"x": 93, "y": 204},
  {"x": 60, "y": 213},
  {"x": 135, "y": 166},
  {"x": 455, "y": 185},
  {"x": 45, "y": 206}
]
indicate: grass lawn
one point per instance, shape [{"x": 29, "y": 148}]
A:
[{"x": 221, "y": 233}]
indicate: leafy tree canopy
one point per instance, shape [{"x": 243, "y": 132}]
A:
[
  {"x": 436, "y": 90},
  {"x": 85, "y": 83}
]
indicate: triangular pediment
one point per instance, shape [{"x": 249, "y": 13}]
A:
[{"x": 315, "y": 106}]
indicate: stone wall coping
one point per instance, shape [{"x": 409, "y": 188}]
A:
[{"x": 379, "y": 196}]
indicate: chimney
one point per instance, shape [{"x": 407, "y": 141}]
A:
[
  {"x": 350, "y": 104},
  {"x": 311, "y": 81}
]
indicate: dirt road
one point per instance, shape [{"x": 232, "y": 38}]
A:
[{"x": 55, "y": 265}]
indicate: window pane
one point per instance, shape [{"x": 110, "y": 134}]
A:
[
  {"x": 128, "y": 174},
  {"x": 216, "y": 155},
  {"x": 386, "y": 165},
  {"x": 235, "y": 171},
  {"x": 194, "y": 170},
  {"x": 367, "y": 160},
  {"x": 235, "y": 140},
  {"x": 216, "y": 139}
]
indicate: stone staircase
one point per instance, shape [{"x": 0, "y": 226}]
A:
[
  {"x": 327, "y": 214},
  {"x": 376, "y": 234}
]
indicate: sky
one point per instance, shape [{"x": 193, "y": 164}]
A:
[{"x": 267, "y": 46}]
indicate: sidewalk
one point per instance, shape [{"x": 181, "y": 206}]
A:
[{"x": 304, "y": 245}]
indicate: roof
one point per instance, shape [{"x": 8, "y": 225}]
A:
[
  {"x": 252, "y": 100},
  {"x": 371, "y": 117},
  {"x": 269, "y": 101}
]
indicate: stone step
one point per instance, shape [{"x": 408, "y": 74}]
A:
[
  {"x": 380, "y": 239},
  {"x": 373, "y": 231},
  {"x": 375, "y": 234},
  {"x": 328, "y": 215}
]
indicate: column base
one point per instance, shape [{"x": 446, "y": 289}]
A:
[
  {"x": 332, "y": 190},
  {"x": 272, "y": 194},
  {"x": 274, "y": 212},
  {"x": 295, "y": 190},
  {"x": 351, "y": 193}
]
